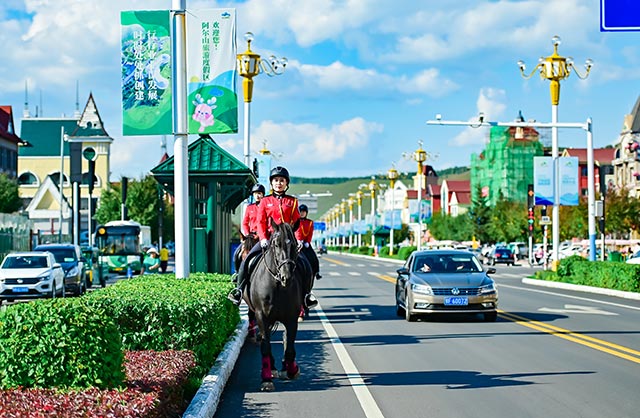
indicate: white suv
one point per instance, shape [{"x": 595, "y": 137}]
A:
[{"x": 30, "y": 275}]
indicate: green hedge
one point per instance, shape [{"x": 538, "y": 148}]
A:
[
  {"x": 405, "y": 252},
  {"x": 64, "y": 343},
  {"x": 604, "y": 274},
  {"x": 160, "y": 312}
]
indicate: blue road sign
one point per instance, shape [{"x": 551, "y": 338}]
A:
[{"x": 619, "y": 15}]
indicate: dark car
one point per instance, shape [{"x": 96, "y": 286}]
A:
[
  {"x": 70, "y": 258},
  {"x": 445, "y": 281},
  {"x": 500, "y": 255}
]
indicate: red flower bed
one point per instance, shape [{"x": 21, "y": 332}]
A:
[{"x": 154, "y": 388}]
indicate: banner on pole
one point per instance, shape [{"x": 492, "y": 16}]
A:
[
  {"x": 543, "y": 180},
  {"x": 424, "y": 210},
  {"x": 146, "y": 72},
  {"x": 393, "y": 219},
  {"x": 568, "y": 173},
  {"x": 212, "y": 101}
]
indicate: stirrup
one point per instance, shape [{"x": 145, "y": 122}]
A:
[
  {"x": 235, "y": 296},
  {"x": 318, "y": 276},
  {"x": 310, "y": 300}
]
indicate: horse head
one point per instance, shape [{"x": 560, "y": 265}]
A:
[{"x": 284, "y": 252}]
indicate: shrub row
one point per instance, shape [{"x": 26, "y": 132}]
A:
[
  {"x": 151, "y": 389},
  {"x": 59, "y": 343},
  {"x": 604, "y": 274},
  {"x": 160, "y": 312}
]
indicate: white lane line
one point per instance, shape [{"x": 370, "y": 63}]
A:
[
  {"x": 354, "y": 273},
  {"x": 569, "y": 296},
  {"x": 333, "y": 273},
  {"x": 368, "y": 404}
]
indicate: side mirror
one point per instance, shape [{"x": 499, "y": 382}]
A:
[
  {"x": 57, "y": 266},
  {"x": 402, "y": 271},
  {"x": 491, "y": 270}
]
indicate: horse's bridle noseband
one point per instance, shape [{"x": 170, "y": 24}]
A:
[{"x": 277, "y": 274}]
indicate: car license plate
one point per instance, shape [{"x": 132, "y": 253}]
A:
[
  {"x": 456, "y": 301},
  {"x": 20, "y": 289}
]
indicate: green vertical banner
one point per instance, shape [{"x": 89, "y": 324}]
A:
[
  {"x": 146, "y": 72},
  {"x": 212, "y": 101}
]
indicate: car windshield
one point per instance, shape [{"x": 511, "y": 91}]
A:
[
  {"x": 25, "y": 262},
  {"x": 447, "y": 263},
  {"x": 63, "y": 255}
]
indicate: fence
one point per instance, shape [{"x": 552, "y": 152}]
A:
[{"x": 15, "y": 234}]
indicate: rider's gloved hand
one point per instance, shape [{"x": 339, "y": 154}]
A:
[
  {"x": 306, "y": 245},
  {"x": 264, "y": 243},
  {"x": 299, "y": 244}
]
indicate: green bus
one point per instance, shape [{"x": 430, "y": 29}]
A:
[{"x": 122, "y": 244}]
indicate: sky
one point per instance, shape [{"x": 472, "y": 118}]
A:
[{"x": 362, "y": 79}]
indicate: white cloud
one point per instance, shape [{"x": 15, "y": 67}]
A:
[
  {"x": 303, "y": 144},
  {"x": 491, "y": 102}
]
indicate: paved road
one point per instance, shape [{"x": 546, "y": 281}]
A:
[{"x": 551, "y": 353}]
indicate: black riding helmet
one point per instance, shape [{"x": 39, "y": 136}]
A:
[
  {"x": 279, "y": 172},
  {"x": 258, "y": 188},
  {"x": 303, "y": 208}
]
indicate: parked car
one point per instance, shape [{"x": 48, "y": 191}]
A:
[
  {"x": 30, "y": 275},
  {"x": 634, "y": 259},
  {"x": 500, "y": 255},
  {"x": 69, "y": 256},
  {"x": 439, "y": 281}
]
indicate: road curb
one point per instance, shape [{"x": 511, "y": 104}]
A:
[
  {"x": 582, "y": 288},
  {"x": 205, "y": 402}
]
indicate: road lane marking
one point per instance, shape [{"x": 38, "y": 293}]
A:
[
  {"x": 579, "y": 310},
  {"x": 367, "y": 403},
  {"x": 354, "y": 273},
  {"x": 591, "y": 342},
  {"x": 382, "y": 276},
  {"x": 340, "y": 263},
  {"x": 569, "y": 296}
]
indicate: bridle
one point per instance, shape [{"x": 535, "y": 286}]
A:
[{"x": 276, "y": 272}]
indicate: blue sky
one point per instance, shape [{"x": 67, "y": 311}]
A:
[{"x": 363, "y": 76}]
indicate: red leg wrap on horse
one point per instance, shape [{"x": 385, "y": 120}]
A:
[
  {"x": 266, "y": 368},
  {"x": 292, "y": 368}
]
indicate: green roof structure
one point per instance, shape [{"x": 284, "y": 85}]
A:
[{"x": 45, "y": 135}]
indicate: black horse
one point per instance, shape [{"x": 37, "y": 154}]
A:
[
  {"x": 275, "y": 293},
  {"x": 248, "y": 241}
]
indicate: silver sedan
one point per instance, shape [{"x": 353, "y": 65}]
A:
[{"x": 445, "y": 281}]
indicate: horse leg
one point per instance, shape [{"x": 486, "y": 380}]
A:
[
  {"x": 267, "y": 359},
  {"x": 290, "y": 366},
  {"x": 252, "y": 326}
]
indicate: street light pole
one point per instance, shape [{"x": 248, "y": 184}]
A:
[
  {"x": 372, "y": 188},
  {"x": 420, "y": 156},
  {"x": 359, "y": 195},
  {"x": 555, "y": 68},
  {"x": 392, "y": 175}
]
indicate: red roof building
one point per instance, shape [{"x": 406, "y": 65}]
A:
[
  {"x": 602, "y": 161},
  {"x": 9, "y": 143}
]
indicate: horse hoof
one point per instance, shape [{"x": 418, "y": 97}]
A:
[
  {"x": 284, "y": 375},
  {"x": 300, "y": 319},
  {"x": 275, "y": 374},
  {"x": 267, "y": 387}
]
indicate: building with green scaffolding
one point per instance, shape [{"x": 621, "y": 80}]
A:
[{"x": 506, "y": 164}]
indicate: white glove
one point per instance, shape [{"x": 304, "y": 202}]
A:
[
  {"x": 299, "y": 244},
  {"x": 306, "y": 245},
  {"x": 264, "y": 243}
]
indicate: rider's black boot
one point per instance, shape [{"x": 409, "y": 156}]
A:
[{"x": 310, "y": 301}]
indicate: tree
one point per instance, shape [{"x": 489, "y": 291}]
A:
[
  {"x": 574, "y": 221},
  {"x": 508, "y": 221},
  {"x": 143, "y": 206},
  {"x": 9, "y": 197},
  {"x": 447, "y": 227},
  {"x": 480, "y": 214}
]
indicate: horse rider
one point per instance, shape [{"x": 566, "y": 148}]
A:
[
  {"x": 304, "y": 234},
  {"x": 250, "y": 221},
  {"x": 280, "y": 207}
]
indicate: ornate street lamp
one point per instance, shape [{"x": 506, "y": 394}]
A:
[
  {"x": 555, "y": 68},
  {"x": 359, "y": 196},
  {"x": 250, "y": 65},
  {"x": 350, "y": 202},
  {"x": 343, "y": 211},
  {"x": 392, "y": 175},
  {"x": 373, "y": 186},
  {"x": 420, "y": 156}
]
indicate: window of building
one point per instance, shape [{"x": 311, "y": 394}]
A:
[
  {"x": 85, "y": 180},
  {"x": 28, "y": 179},
  {"x": 56, "y": 178}
]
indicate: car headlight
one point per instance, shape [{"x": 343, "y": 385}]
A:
[
  {"x": 487, "y": 288},
  {"x": 45, "y": 276},
  {"x": 72, "y": 272},
  {"x": 422, "y": 289}
]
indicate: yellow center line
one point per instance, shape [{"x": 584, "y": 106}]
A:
[
  {"x": 333, "y": 260},
  {"x": 595, "y": 343}
]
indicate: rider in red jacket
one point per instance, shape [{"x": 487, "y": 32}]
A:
[
  {"x": 281, "y": 208},
  {"x": 304, "y": 234},
  {"x": 249, "y": 222}
]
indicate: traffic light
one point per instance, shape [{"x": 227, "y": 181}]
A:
[{"x": 531, "y": 219}]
